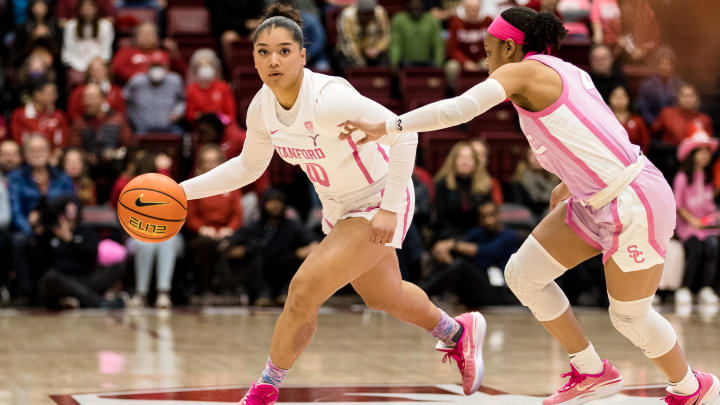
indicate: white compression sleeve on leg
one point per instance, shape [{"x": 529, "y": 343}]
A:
[
  {"x": 530, "y": 274},
  {"x": 643, "y": 326},
  {"x": 449, "y": 112}
]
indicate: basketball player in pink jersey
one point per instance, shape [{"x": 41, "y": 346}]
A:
[
  {"x": 612, "y": 201},
  {"x": 367, "y": 197}
]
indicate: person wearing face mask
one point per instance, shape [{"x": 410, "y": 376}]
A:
[
  {"x": 156, "y": 99},
  {"x": 131, "y": 60},
  {"x": 416, "y": 38},
  {"x": 206, "y": 91}
]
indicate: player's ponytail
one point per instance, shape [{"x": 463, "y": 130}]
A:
[
  {"x": 284, "y": 15},
  {"x": 542, "y": 30}
]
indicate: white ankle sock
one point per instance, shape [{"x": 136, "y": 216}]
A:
[
  {"x": 687, "y": 386},
  {"x": 587, "y": 361}
]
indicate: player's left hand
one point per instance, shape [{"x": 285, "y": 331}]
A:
[
  {"x": 382, "y": 227},
  {"x": 373, "y": 132}
]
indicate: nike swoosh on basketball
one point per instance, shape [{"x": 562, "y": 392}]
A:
[{"x": 140, "y": 203}]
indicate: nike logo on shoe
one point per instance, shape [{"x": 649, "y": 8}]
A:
[{"x": 140, "y": 203}]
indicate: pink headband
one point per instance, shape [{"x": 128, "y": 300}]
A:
[{"x": 503, "y": 31}]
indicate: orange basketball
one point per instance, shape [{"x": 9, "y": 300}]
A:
[{"x": 152, "y": 208}]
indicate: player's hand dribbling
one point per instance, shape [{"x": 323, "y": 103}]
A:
[
  {"x": 373, "y": 132},
  {"x": 559, "y": 194},
  {"x": 382, "y": 227}
]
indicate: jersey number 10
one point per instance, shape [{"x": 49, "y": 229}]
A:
[{"x": 317, "y": 174}]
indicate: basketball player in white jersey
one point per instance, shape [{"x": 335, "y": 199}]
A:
[
  {"x": 619, "y": 205},
  {"x": 367, "y": 197}
]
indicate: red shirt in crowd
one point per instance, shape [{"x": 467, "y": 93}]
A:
[
  {"x": 218, "y": 211},
  {"x": 638, "y": 132},
  {"x": 465, "y": 40},
  {"x": 673, "y": 122},
  {"x": 114, "y": 98},
  {"x": 52, "y": 124},
  {"x": 217, "y": 98},
  {"x": 130, "y": 61}
]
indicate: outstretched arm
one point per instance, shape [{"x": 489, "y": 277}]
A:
[
  {"x": 503, "y": 83},
  {"x": 240, "y": 170}
]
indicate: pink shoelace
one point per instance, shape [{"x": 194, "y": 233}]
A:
[
  {"x": 575, "y": 378},
  {"x": 455, "y": 354},
  {"x": 672, "y": 399}
]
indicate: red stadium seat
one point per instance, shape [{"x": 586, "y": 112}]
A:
[
  {"x": 188, "y": 21},
  {"x": 393, "y": 6},
  {"x": 241, "y": 55},
  {"x": 426, "y": 84},
  {"x": 331, "y": 25},
  {"x": 371, "y": 81},
  {"x": 575, "y": 51},
  {"x": 636, "y": 74},
  {"x": 469, "y": 79},
  {"x": 392, "y": 104},
  {"x": 190, "y": 27},
  {"x": 506, "y": 149},
  {"x": 437, "y": 144},
  {"x": 502, "y": 117},
  {"x": 246, "y": 83}
]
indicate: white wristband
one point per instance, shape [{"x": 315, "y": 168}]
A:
[{"x": 393, "y": 126}]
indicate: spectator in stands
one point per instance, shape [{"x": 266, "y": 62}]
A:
[
  {"x": 640, "y": 32},
  {"x": 697, "y": 218},
  {"x": 87, "y": 36},
  {"x": 465, "y": 41},
  {"x": 5, "y": 237},
  {"x": 532, "y": 185},
  {"x": 40, "y": 116},
  {"x": 416, "y": 38},
  {"x": 209, "y": 128},
  {"x": 164, "y": 253},
  {"x": 97, "y": 73},
  {"x": 135, "y": 59},
  {"x": 659, "y": 90},
  {"x": 206, "y": 91},
  {"x": 363, "y": 35},
  {"x": 132, "y": 159},
  {"x": 671, "y": 126},
  {"x": 211, "y": 220},
  {"x": 633, "y": 123},
  {"x": 40, "y": 24},
  {"x": 481, "y": 149},
  {"x": 464, "y": 265},
  {"x": 156, "y": 99},
  {"x": 233, "y": 20},
  {"x": 606, "y": 22},
  {"x": 462, "y": 184},
  {"x": 604, "y": 72},
  {"x": 268, "y": 252},
  {"x": 100, "y": 129},
  {"x": 10, "y": 157},
  {"x": 67, "y": 9},
  {"x": 38, "y": 66},
  {"x": 71, "y": 275},
  {"x": 313, "y": 32},
  {"x": 74, "y": 164},
  {"x": 27, "y": 185}
]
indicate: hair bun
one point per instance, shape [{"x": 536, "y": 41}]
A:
[{"x": 283, "y": 9}]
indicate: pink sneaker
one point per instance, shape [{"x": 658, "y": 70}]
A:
[
  {"x": 582, "y": 388},
  {"x": 707, "y": 394},
  {"x": 468, "y": 352},
  {"x": 260, "y": 394}
]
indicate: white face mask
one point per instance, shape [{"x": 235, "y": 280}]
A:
[
  {"x": 206, "y": 72},
  {"x": 157, "y": 74}
]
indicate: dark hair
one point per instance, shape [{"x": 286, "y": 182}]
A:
[
  {"x": 688, "y": 167},
  {"x": 282, "y": 15},
  {"x": 38, "y": 84},
  {"x": 542, "y": 30},
  {"x": 95, "y": 23}
]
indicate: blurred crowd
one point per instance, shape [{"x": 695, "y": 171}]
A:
[{"x": 96, "y": 92}]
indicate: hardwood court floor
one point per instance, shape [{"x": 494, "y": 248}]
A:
[{"x": 42, "y": 354}]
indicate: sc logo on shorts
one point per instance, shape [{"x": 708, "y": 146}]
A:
[{"x": 636, "y": 254}]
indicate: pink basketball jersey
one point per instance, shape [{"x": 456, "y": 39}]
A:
[{"x": 578, "y": 138}]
